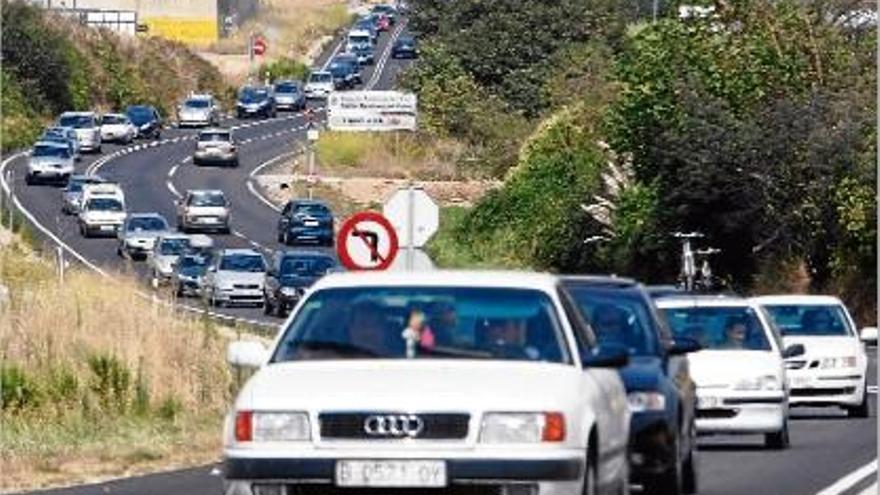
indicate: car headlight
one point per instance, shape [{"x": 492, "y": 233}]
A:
[
  {"x": 255, "y": 426},
  {"x": 522, "y": 427},
  {"x": 839, "y": 362},
  {"x": 289, "y": 291},
  {"x": 766, "y": 382},
  {"x": 646, "y": 401}
]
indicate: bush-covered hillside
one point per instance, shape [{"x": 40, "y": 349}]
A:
[{"x": 51, "y": 64}]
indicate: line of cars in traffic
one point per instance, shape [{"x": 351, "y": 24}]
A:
[{"x": 527, "y": 383}]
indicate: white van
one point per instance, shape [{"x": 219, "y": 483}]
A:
[
  {"x": 103, "y": 210},
  {"x": 358, "y": 38}
]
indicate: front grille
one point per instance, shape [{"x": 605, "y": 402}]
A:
[
  {"x": 813, "y": 392},
  {"x": 452, "y": 490},
  {"x": 716, "y": 413},
  {"x": 245, "y": 286},
  {"x": 350, "y": 426}
]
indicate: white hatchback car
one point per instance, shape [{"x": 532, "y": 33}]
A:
[
  {"x": 427, "y": 380},
  {"x": 834, "y": 369},
  {"x": 740, "y": 373}
]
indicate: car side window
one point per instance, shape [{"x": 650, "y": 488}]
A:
[{"x": 584, "y": 335}]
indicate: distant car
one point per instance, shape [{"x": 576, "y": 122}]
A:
[
  {"x": 344, "y": 74},
  {"x": 319, "y": 85},
  {"x": 364, "y": 53},
  {"x": 116, "y": 127},
  {"x": 103, "y": 210},
  {"x": 404, "y": 47},
  {"x": 85, "y": 124},
  {"x": 71, "y": 196},
  {"x": 67, "y": 135},
  {"x": 255, "y": 101},
  {"x": 49, "y": 162},
  {"x": 235, "y": 277},
  {"x": 146, "y": 119},
  {"x": 353, "y": 62},
  {"x": 367, "y": 24},
  {"x": 306, "y": 222},
  {"x": 198, "y": 110},
  {"x": 167, "y": 249},
  {"x": 291, "y": 273},
  {"x": 203, "y": 209},
  {"x": 387, "y": 10},
  {"x": 360, "y": 43},
  {"x": 660, "y": 390},
  {"x": 216, "y": 146},
  {"x": 289, "y": 95},
  {"x": 381, "y": 21},
  {"x": 189, "y": 273},
  {"x": 740, "y": 372},
  {"x": 139, "y": 233},
  {"x": 833, "y": 371}
]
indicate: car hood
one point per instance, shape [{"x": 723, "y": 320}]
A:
[
  {"x": 825, "y": 346},
  {"x": 229, "y": 277},
  {"x": 388, "y": 385},
  {"x": 642, "y": 373},
  {"x": 711, "y": 368},
  {"x": 48, "y": 161}
]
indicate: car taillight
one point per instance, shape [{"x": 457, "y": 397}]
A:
[
  {"x": 554, "y": 427},
  {"x": 244, "y": 426}
]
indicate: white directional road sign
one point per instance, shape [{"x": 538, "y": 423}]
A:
[
  {"x": 372, "y": 111},
  {"x": 410, "y": 208}
]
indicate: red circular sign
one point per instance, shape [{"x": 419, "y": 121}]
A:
[
  {"x": 259, "y": 46},
  {"x": 380, "y": 244}
]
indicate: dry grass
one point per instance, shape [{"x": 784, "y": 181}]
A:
[{"x": 60, "y": 424}]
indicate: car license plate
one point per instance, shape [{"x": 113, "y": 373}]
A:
[
  {"x": 390, "y": 473},
  {"x": 708, "y": 402},
  {"x": 311, "y": 223},
  {"x": 208, "y": 220},
  {"x": 107, "y": 227}
]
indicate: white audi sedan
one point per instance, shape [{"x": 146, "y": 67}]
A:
[
  {"x": 740, "y": 373},
  {"x": 410, "y": 381},
  {"x": 834, "y": 369}
]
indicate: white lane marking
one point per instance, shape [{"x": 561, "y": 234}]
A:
[
  {"x": 172, "y": 189},
  {"x": 250, "y": 180},
  {"x": 851, "y": 479},
  {"x": 871, "y": 490},
  {"x": 253, "y": 243},
  {"x": 380, "y": 67},
  {"x": 215, "y": 471},
  {"x": 332, "y": 54},
  {"x": 173, "y": 171}
]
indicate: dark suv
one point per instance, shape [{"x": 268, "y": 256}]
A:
[
  {"x": 306, "y": 222},
  {"x": 291, "y": 273},
  {"x": 254, "y": 101},
  {"x": 659, "y": 387},
  {"x": 146, "y": 119}
]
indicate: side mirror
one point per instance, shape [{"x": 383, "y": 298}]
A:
[
  {"x": 868, "y": 335},
  {"x": 684, "y": 345},
  {"x": 607, "y": 356},
  {"x": 794, "y": 350},
  {"x": 246, "y": 354}
]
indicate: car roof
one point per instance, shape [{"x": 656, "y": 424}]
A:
[
  {"x": 320, "y": 72},
  {"x": 309, "y": 202},
  {"x": 86, "y": 177},
  {"x": 174, "y": 235},
  {"x": 797, "y": 299},
  {"x": 204, "y": 191},
  {"x": 703, "y": 302},
  {"x": 598, "y": 280},
  {"x": 544, "y": 282},
  {"x": 199, "y": 97}
]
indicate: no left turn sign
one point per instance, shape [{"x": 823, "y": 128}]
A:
[{"x": 367, "y": 241}]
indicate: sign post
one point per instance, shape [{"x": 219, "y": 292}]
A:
[
  {"x": 415, "y": 217},
  {"x": 312, "y": 134}
]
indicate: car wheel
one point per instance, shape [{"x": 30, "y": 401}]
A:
[
  {"x": 590, "y": 477},
  {"x": 690, "y": 482},
  {"x": 267, "y": 306},
  {"x": 862, "y": 410},
  {"x": 281, "y": 310},
  {"x": 669, "y": 482},
  {"x": 778, "y": 440}
]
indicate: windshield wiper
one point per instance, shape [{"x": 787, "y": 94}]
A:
[
  {"x": 341, "y": 348},
  {"x": 455, "y": 352}
]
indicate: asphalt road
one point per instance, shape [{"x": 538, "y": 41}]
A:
[{"x": 826, "y": 446}]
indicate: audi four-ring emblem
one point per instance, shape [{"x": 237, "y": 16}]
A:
[{"x": 393, "y": 425}]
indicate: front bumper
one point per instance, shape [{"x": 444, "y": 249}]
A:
[
  {"x": 743, "y": 412},
  {"x": 652, "y": 444},
  {"x": 245, "y": 297},
  {"x": 90, "y": 145},
  {"x": 317, "y": 94},
  {"x": 49, "y": 174},
  {"x": 206, "y": 223},
  {"x": 115, "y": 136},
  {"x": 837, "y": 388},
  {"x": 138, "y": 246},
  {"x": 289, "y": 104},
  {"x": 108, "y": 229}
]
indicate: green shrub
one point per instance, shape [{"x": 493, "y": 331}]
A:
[
  {"x": 18, "y": 391},
  {"x": 283, "y": 68},
  {"x": 111, "y": 382}
]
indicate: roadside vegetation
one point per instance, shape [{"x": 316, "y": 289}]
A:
[
  {"x": 755, "y": 126},
  {"x": 97, "y": 381},
  {"x": 52, "y": 64}
]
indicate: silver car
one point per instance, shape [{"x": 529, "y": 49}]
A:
[
  {"x": 198, "y": 110},
  {"x": 216, "y": 146},
  {"x": 72, "y": 195},
  {"x": 205, "y": 210},
  {"x": 85, "y": 124},
  {"x": 161, "y": 259},
  {"x": 49, "y": 162},
  {"x": 139, "y": 233},
  {"x": 236, "y": 277}
]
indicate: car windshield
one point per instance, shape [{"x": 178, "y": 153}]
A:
[
  {"x": 113, "y": 119},
  {"x": 403, "y": 40},
  {"x": 104, "y": 204},
  {"x": 243, "y": 263},
  {"x": 719, "y": 327},
  {"x": 287, "y": 88},
  {"x": 193, "y": 263},
  {"x": 813, "y": 320},
  {"x": 214, "y": 136},
  {"x": 76, "y": 121},
  {"x": 360, "y": 39},
  {"x": 425, "y": 323},
  {"x": 306, "y": 266},
  {"x": 339, "y": 68},
  {"x": 320, "y": 77},
  {"x": 250, "y": 95},
  {"x": 619, "y": 316},
  {"x": 196, "y": 103},
  {"x": 76, "y": 185},
  {"x": 54, "y": 151},
  {"x": 311, "y": 210},
  {"x": 174, "y": 246},
  {"x": 140, "y": 224},
  {"x": 207, "y": 199},
  {"x": 140, "y": 114}
]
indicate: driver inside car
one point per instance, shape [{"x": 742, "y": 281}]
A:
[{"x": 510, "y": 337}]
